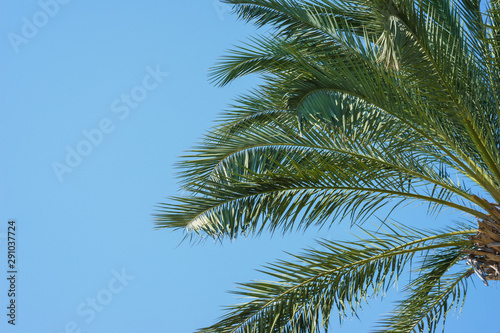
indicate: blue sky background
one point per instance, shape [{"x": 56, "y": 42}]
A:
[{"x": 79, "y": 230}]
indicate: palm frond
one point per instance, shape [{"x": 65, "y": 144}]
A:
[
  {"x": 434, "y": 56},
  {"x": 274, "y": 176},
  {"x": 338, "y": 278},
  {"x": 431, "y": 296},
  {"x": 364, "y": 104}
]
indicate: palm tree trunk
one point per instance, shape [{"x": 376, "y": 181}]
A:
[{"x": 484, "y": 257}]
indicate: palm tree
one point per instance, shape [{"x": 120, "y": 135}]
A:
[{"x": 364, "y": 104}]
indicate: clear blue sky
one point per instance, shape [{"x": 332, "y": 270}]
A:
[{"x": 123, "y": 84}]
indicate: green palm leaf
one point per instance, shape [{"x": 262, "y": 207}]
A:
[
  {"x": 363, "y": 105},
  {"x": 341, "y": 276}
]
